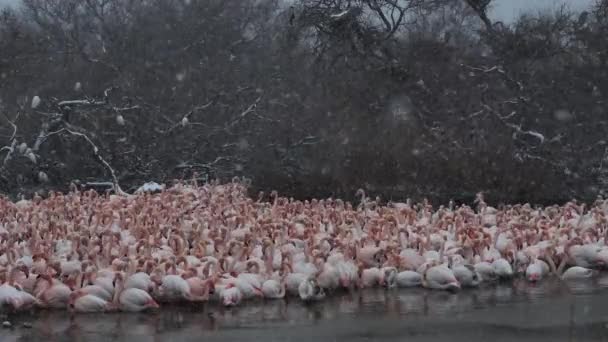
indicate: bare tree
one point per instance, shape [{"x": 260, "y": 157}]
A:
[{"x": 407, "y": 98}]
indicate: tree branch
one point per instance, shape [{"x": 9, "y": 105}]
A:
[
  {"x": 117, "y": 188},
  {"x": 12, "y": 139}
]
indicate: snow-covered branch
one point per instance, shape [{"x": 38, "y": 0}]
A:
[
  {"x": 11, "y": 150},
  {"x": 517, "y": 128},
  {"x": 247, "y": 111},
  {"x": 80, "y": 102},
  {"x": 117, "y": 188},
  {"x": 308, "y": 140},
  {"x": 12, "y": 139},
  {"x": 520, "y": 131},
  {"x": 483, "y": 69},
  {"x": 185, "y": 120},
  {"x": 497, "y": 69},
  {"x": 340, "y": 15},
  {"x": 125, "y": 109},
  {"x": 211, "y": 165}
]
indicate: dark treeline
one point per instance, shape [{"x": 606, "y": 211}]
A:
[{"x": 412, "y": 98}]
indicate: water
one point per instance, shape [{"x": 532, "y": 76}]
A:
[{"x": 549, "y": 311}]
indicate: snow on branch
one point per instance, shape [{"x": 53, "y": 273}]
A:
[
  {"x": 340, "y": 15},
  {"x": 12, "y": 139},
  {"x": 485, "y": 70},
  {"x": 517, "y": 128},
  {"x": 307, "y": 140},
  {"x": 497, "y": 69},
  {"x": 209, "y": 166},
  {"x": 80, "y": 102},
  {"x": 11, "y": 150},
  {"x": 116, "y": 186},
  {"x": 247, "y": 111},
  {"x": 125, "y": 109},
  {"x": 186, "y": 118}
]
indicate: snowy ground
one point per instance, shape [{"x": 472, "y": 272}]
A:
[{"x": 550, "y": 311}]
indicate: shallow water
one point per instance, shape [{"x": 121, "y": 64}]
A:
[{"x": 548, "y": 311}]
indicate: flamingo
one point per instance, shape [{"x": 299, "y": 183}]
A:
[
  {"x": 132, "y": 299},
  {"x": 440, "y": 277},
  {"x": 408, "y": 279},
  {"x": 273, "y": 289},
  {"x": 56, "y": 295},
  {"x": 199, "y": 242},
  {"x": 87, "y": 303},
  {"x": 309, "y": 290},
  {"x": 231, "y": 295}
]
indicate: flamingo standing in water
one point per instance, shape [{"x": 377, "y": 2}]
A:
[
  {"x": 193, "y": 242},
  {"x": 440, "y": 277},
  {"x": 132, "y": 299},
  {"x": 309, "y": 290}
]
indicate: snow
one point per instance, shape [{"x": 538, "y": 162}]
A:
[
  {"x": 150, "y": 187},
  {"x": 518, "y": 131},
  {"x": 339, "y": 15},
  {"x": 30, "y": 155},
  {"x": 401, "y": 108},
  {"x": 537, "y": 135},
  {"x": 42, "y": 177},
  {"x": 243, "y": 144},
  {"x": 562, "y": 115},
  {"x": 120, "y": 120},
  {"x": 78, "y": 102},
  {"x": 22, "y": 148},
  {"x": 36, "y": 102}
]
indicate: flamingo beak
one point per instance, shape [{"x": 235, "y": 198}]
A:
[{"x": 152, "y": 304}]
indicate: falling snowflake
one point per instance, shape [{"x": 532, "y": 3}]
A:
[
  {"x": 401, "y": 108},
  {"x": 562, "y": 115},
  {"x": 243, "y": 144}
]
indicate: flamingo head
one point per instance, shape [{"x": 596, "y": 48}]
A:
[
  {"x": 72, "y": 298},
  {"x": 389, "y": 277},
  {"x": 152, "y": 304},
  {"x": 345, "y": 282},
  {"x": 534, "y": 277},
  {"x": 379, "y": 257},
  {"x": 454, "y": 286}
]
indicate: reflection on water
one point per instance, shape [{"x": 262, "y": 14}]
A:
[{"x": 381, "y": 314}]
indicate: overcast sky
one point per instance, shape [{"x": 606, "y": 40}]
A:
[{"x": 504, "y": 10}]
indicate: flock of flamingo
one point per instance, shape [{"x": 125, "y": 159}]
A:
[{"x": 87, "y": 252}]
